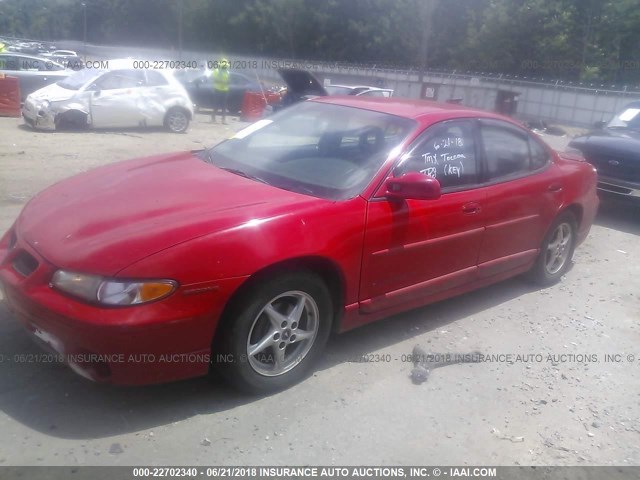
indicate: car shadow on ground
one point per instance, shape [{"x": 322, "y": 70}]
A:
[
  {"x": 199, "y": 117},
  {"x": 619, "y": 215},
  {"x": 49, "y": 398},
  {"x": 132, "y": 131}
]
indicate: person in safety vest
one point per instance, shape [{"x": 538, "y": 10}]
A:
[
  {"x": 220, "y": 90},
  {"x": 3, "y": 63}
]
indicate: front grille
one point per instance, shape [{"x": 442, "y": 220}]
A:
[
  {"x": 24, "y": 263},
  {"x": 614, "y": 166}
]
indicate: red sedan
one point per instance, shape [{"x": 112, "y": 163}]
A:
[{"x": 329, "y": 215}]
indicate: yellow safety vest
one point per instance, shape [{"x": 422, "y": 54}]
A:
[{"x": 221, "y": 80}]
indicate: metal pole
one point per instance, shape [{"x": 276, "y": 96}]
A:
[
  {"x": 84, "y": 7},
  {"x": 180, "y": 5}
]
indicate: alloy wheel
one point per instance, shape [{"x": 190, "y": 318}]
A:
[
  {"x": 283, "y": 333},
  {"x": 558, "y": 248}
]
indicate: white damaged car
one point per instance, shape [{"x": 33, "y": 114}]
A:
[{"x": 120, "y": 97}]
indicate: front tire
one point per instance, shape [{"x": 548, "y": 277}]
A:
[
  {"x": 176, "y": 120},
  {"x": 271, "y": 340},
  {"x": 70, "y": 120},
  {"x": 556, "y": 251}
]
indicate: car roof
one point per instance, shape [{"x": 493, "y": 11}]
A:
[
  {"x": 30, "y": 57},
  {"x": 408, "y": 108}
]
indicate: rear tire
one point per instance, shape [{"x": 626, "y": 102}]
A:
[
  {"x": 275, "y": 334},
  {"x": 177, "y": 120},
  {"x": 556, "y": 251}
]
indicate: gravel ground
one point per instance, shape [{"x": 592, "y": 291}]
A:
[{"x": 573, "y": 408}]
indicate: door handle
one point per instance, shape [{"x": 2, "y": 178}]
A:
[
  {"x": 471, "y": 208},
  {"x": 555, "y": 187}
]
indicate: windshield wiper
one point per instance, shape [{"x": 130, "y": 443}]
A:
[
  {"x": 209, "y": 159},
  {"x": 244, "y": 174}
]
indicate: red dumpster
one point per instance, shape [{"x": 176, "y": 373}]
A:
[
  {"x": 254, "y": 102},
  {"x": 9, "y": 96}
]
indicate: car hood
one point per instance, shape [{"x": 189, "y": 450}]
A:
[
  {"x": 53, "y": 93},
  {"x": 104, "y": 220},
  {"x": 301, "y": 82},
  {"x": 622, "y": 141}
]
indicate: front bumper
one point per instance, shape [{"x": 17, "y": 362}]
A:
[
  {"x": 158, "y": 342},
  {"x": 619, "y": 188},
  {"x": 38, "y": 117}
]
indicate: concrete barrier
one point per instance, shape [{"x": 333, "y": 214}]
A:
[{"x": 9, "y": 96}]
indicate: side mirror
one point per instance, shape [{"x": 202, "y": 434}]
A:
[
  {"x": 599, "y": 125},
  {"x": 96, "y": 93},
  {"x": 412, "y": 186}
]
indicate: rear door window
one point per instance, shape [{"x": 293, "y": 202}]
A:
[
  {"x": 506, "y": 151},
  {"x": 121, "y": 79},
  {"x": 155, "y": 79},
  {"x": 509, "y": 151}
]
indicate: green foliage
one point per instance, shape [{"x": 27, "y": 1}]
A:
[{"x": 585, "y": 40}]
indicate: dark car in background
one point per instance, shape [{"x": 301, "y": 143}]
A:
[
  {"x": 301, "y": 85},
  {"x": 33, "y": 72},
  {"x": 199, "y": 85},
  {"x": 614, "y": 150}
]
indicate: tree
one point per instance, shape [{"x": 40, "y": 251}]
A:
[{"x": 585, "y": 40}]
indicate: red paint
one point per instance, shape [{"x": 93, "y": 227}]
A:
[
  {"x": 174, "y": 216},
  {"x": 9, "y": 96}
]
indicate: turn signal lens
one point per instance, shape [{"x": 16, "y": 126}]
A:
[
  {"x": 133, "y": 293},
  {"x": 153, "y": 291},
  {"x": 94, "y": 289}
]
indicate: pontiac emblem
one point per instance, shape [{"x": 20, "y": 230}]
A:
[{"x": 615, "y": 163}]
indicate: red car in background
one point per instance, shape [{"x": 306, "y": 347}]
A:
[{"x": 329, "y": 215}]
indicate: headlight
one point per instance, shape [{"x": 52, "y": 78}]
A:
[{"x": 106, "y": 291}]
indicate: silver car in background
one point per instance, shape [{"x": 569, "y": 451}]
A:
[
  {"x": 119, "y": 97},
  {"x": 33, "y": 72},
  {"x": 67, "y": 58}
]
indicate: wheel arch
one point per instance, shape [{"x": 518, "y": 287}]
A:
[
  {"x": 178, "y": 107},
  {"x": 70, "y": 118},
  {"x": 330, "y": 273},
  {"x": 576, "y": 210}
]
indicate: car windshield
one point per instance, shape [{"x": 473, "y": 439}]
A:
[
  {"x": 628, "y": 118},
  {"x": 78, "y": 79},
  {"x": 323, "y": 150}
]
